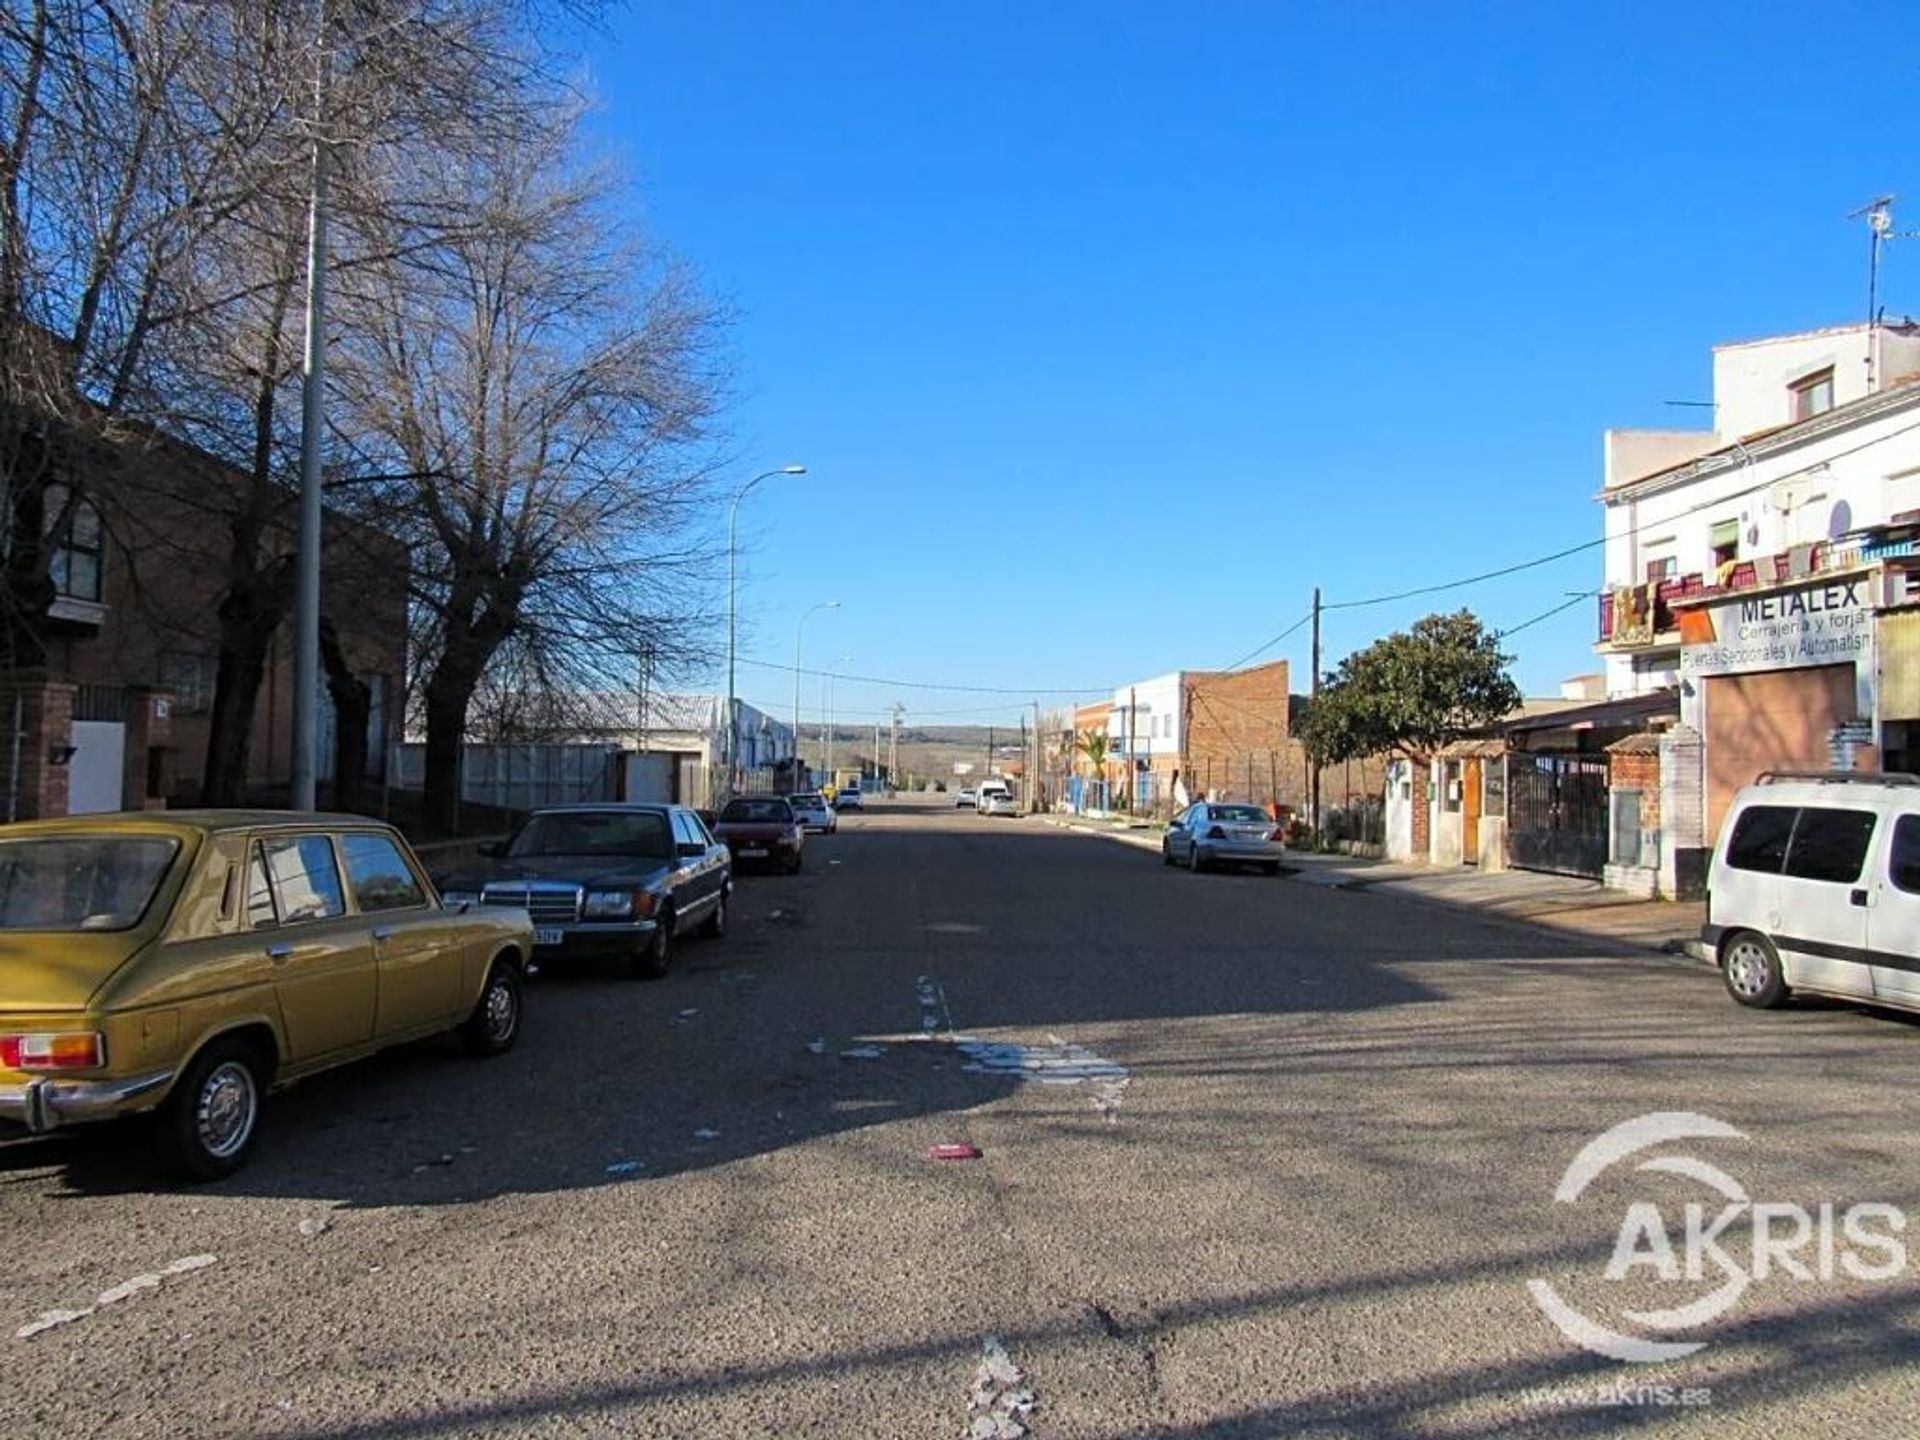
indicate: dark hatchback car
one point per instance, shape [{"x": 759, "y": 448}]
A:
[
  {"x": 619, "y": 882},
  {"x": 762, "y": 830}
]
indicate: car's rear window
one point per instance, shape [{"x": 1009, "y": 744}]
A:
[
  {"x": 1238, "y": 812},
  {"x": 82, "y": 882},
  {"x": 641, "y": 833},
  {"x": 752, "y": 811}
]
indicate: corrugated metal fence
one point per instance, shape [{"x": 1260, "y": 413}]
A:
[{"x": 523, "y": 776}]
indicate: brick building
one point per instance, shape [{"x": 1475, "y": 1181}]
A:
[{"x": 117, "y": 714}]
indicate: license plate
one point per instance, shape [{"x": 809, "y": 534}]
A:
[
  {"x": 548, "y": 936},
  {"x": 753, "y": 852}
]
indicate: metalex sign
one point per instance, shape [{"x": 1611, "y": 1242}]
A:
[{"x": 1826, "y": 625}]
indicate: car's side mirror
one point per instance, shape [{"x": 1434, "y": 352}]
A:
[{"x": 493, "y": 849}]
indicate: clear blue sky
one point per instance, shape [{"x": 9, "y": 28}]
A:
[{"x": 1108, "y": 331}]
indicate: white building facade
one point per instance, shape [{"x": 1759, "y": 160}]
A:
[
  {"x": 1144, "y": 731},
  {"x": 1760, "y": 569}
]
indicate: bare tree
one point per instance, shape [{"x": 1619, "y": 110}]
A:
[{"x": 547, "y": 390}]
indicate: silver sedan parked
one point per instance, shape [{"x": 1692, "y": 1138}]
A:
[{"x": 1209, "y": 834}]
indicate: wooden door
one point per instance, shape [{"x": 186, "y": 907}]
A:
[{"x": 1470, "y": 810}]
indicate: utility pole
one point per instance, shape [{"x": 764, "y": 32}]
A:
[
  {"x": 989, "y": 770},
  {"x": 876, "y": 752},
  {"x": 1313, "y": 767},
  {"x": 893, "y": 759},
  {"x": 1132, "y": 774},
  {"x": 1039, "y": 760},
  {"x": 646, "y": 681},
  {"x": 1026, "y": 755}
]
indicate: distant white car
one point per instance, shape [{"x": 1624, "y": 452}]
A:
[
  {"x": 964, "y": 799},
  {"x": 848, "y": 799},
  {"x": 997, "y": 802},
  {"x": 814, "y": 813}
]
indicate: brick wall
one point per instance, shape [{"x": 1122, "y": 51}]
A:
[
  {"x": 39, "y": 789},
  {"x": 1638, "y": 769},
  {"x": 1235, "y": 733}
]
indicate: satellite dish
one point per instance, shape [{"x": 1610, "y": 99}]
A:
[
  {"x": 1840, "y": 521},
  {"x": 1785, "y": 496}
]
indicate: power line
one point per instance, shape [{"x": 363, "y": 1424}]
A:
[
  {"x": 1027, "y": 690},
  {"x": 1579, "y": 599},
  {"x": 1503, "y": 571},
  {"x": 1259, "y": 650}
]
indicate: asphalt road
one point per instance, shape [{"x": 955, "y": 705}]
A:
[{"x": 1268, "y": 1159}]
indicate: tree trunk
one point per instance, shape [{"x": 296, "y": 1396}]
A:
[
  {"x": 446, "y": 704},
  {"x": 352, "y": 708},
  {"x": 249, "y": 615}
]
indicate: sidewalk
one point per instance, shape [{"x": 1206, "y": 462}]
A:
[{"x": 1560, "y": 902}]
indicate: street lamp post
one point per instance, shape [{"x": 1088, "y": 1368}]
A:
[
  {"x": 798, "y": 632},
  {"x": 733, "y": 522},
  {"x": 827, "y": 738}
]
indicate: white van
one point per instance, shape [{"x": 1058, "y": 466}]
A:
[{"x": 1815, "y": 887}]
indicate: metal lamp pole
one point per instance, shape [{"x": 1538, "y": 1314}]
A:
[
  {"x": 843, "y": 660},
  {"x": 733, "y": 523},
  {"x": 306, "y": 592},
  {"x": 799, "y": 631}
]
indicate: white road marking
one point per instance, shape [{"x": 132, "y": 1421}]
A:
[{"x": 125, "y": 1290}]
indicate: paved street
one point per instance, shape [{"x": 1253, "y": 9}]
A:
[{"x": 1260, "y": 1158}]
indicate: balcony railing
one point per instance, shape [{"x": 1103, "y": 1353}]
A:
[{"x": 1623, "y": 624}]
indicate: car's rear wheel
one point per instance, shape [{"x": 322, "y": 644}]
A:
[
  {"x": 716, "y": 923},
  {"x": 1751, "y": 968},
  {"x": 1194, "y": 863},
  {"x": 208, "y": 1124},
  {"x": 656, "y": 958},
  {"x": 495, "y": 1022},
  {"x": 1166, "y": 853},
  {"x": 793, "y": 865}
]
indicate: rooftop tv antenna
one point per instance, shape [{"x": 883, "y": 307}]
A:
[{"x": 1878, "y": 213}]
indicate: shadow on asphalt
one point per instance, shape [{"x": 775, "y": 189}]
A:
[{"x": 1831, "y": 1346}]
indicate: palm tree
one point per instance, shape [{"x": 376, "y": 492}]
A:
[{"x": 1094, "y": 745}]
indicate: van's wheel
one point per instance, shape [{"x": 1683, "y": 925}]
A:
[
  {"x": 657, "y": 958},
  {"x": 208, "y": 1124},
  {"x": 716, "y": 923},
  {"x": 495, "y": 1022},
  {"x": 1751, "y": 968}
]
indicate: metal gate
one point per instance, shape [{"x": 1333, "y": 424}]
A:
[{"x": 1557, "y": 813}]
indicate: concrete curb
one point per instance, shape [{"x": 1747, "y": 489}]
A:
[
  {"x": 1678, "y": 947},
  {"x": 1139, "y": 841}
]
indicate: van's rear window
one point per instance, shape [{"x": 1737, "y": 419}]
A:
[
  {"x": 1759, "y": 840},
  {"x": 80, "y": 882}
]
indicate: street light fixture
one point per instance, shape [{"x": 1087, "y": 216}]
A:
[
  {"x": 733, "y": 520},
  {"x": 798, "y": 631}
]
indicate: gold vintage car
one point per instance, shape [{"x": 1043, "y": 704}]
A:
[{"x": 184, "y": 962}]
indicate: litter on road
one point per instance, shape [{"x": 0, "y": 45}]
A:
[
  {"x": 862, "y": 1052},
  {"x": 1001, "y": 1402},
  {"x": 817, "y": 1046},
  {"x": 706, "y": 1134},
  {"x": 313, "y": 1226},
  {"x": 623, "y": 1167},
  {"x": 954, "y": 1152}
]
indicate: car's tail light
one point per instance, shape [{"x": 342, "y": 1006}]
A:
[
  {"x": 67, "y": 1050},
  {"x": 1216, "y": 833}
]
